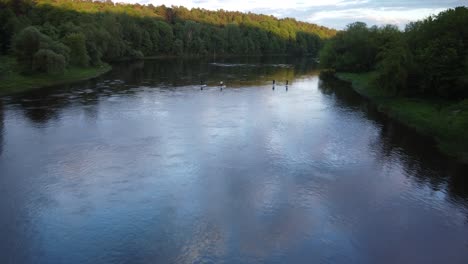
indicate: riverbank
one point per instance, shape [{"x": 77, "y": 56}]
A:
[
  {"x": 11, "y": 81},
  {"x": 445, "y": 121}
]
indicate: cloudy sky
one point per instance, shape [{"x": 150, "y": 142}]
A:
[{"x": 331, "y": 13}]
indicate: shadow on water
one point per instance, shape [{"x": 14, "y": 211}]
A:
[
  {"x": 127, "y": 78},
  {"x": 2, "y": 125},
  {"x": 418, "y": 153},
  {"x": 12, "y": 216},
  {"x": 235, "y": 72}
]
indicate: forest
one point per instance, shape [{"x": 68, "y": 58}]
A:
[
  {"x": 429, "y": 58},
  {"x": 47, "y": 36}
]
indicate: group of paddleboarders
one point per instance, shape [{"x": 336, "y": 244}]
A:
[{"x": 222, "y": 85}]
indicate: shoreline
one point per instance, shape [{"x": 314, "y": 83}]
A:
[
  {"x": 12, "y": 82},
  {"x": 17, "y": 83},
  {"x": 444, "y": 121}
]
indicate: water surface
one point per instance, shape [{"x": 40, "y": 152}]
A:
[{"x": 142, "y": 166}]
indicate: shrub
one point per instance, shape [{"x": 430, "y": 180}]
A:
[
  {"x": 25, "y": 45},
  {"x": 29, "y": 42},
  {"x": 47, "y": 61},
  {"x": 78, "y": 53}
]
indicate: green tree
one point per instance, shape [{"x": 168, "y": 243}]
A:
[
  {"x": 49, "y": 62},
  {"x": 25, "y": 45},
  {"x": 166, "y": 37},
  {"x": 178, "y": 47},
  {"x": 394, "y": 66},
  {"x": 6, "y": 29},
  {"x": 78, "y": 53},
  {"x": 328, "y": 55},
  {"x": 233, "y": 38}
]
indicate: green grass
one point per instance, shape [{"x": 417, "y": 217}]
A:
[
  {"x": 446, "y": 121},
  {"x": 11, "y": 81}
]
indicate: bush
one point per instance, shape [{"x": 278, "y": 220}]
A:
[
  {"x": 136, "y": 54},
  {"x": 58, "y": 48},
  {"x": 29, "y": 42},
  {"x": 25, "y": 45},
  {"x": 47, "y": 61},
  {"x": 178, "y": 47},
  {"x": 78, "y": 53}
]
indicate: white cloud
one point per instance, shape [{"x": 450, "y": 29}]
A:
[{"x": 398, "y": 16}]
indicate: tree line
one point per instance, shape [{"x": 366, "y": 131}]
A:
[
  {"x": 50, "y": 35},
  {"x": 428, "y": 58}
]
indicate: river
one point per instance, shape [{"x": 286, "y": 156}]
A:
[{"x": 141, "y": 165}]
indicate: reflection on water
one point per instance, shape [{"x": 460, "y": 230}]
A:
[
  {"x": 418, "y": 153},
  {"x": 1, "y": 126},
  {"x": 142, "y": 166}
]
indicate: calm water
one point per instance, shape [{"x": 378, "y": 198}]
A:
[{"x": 141, "y": 166}]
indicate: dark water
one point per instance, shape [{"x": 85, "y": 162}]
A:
[{"x": 141, "y": 166}]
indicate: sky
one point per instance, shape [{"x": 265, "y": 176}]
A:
[{"x": 331, "y": 13}]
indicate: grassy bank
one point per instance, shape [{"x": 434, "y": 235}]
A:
[
  {"x": 445, "y": 121},
  {"x": 11, "y": 81}
]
